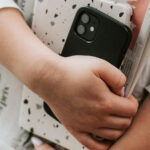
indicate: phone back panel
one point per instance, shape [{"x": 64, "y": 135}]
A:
[
  {"x": 51, "y": 23},
  {"x": 53, "y": 18},
  {"x": 110, "y": 42}
]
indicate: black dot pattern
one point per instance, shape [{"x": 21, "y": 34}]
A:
[{"x": 51, "y": 26}]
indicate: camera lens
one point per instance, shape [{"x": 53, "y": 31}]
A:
[
  {"x": 81, "y": 29},
  {"x": 85, "y": 18}
]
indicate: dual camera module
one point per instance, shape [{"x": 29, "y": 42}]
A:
[{"x": 86, "y": 26}]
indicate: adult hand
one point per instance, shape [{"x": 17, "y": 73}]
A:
[{"x": 80, "y": 94}]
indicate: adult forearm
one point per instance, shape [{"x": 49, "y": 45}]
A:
[
  {"x": 20, "y": 50},
  {"x": 138, "y": 135},
  {"x": 74, "y": 87}
]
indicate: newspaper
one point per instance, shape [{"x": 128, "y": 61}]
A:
[
  {"x": 139, "y": 50},
  {"x": 12, "y": 137}
]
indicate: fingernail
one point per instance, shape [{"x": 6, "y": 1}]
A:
[
  {"x": 123, "y": 92},
  {"x": 36, "y": 141}
]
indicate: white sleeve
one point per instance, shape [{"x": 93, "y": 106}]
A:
[
  {"x": 147, "y": 71},
  {"x": 8, "y": 3},
  {"x": 148, "y": 89},
  {"x": 26, "y": 7}
]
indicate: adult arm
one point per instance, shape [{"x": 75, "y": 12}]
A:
[
  {"x": 65, "y": 83},
  {"x": 138, "y": 135}
]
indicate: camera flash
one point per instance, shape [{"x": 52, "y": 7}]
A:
[{"x": 92, "y": 29}]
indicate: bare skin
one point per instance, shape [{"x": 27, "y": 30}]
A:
[
  {"x": 44, "y": 147},
  {"x": 138, "y": 135},
  {"x": 76, "y": 88}
]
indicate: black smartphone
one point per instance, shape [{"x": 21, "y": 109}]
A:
[{"x": 96, "y": 34}]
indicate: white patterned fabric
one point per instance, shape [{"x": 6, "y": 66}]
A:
[
  {"x": 143, "y": 84},
  {"x": 11, "y": 136}
]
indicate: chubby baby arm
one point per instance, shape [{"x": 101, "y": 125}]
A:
[{"x": 78, "y": 88}]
